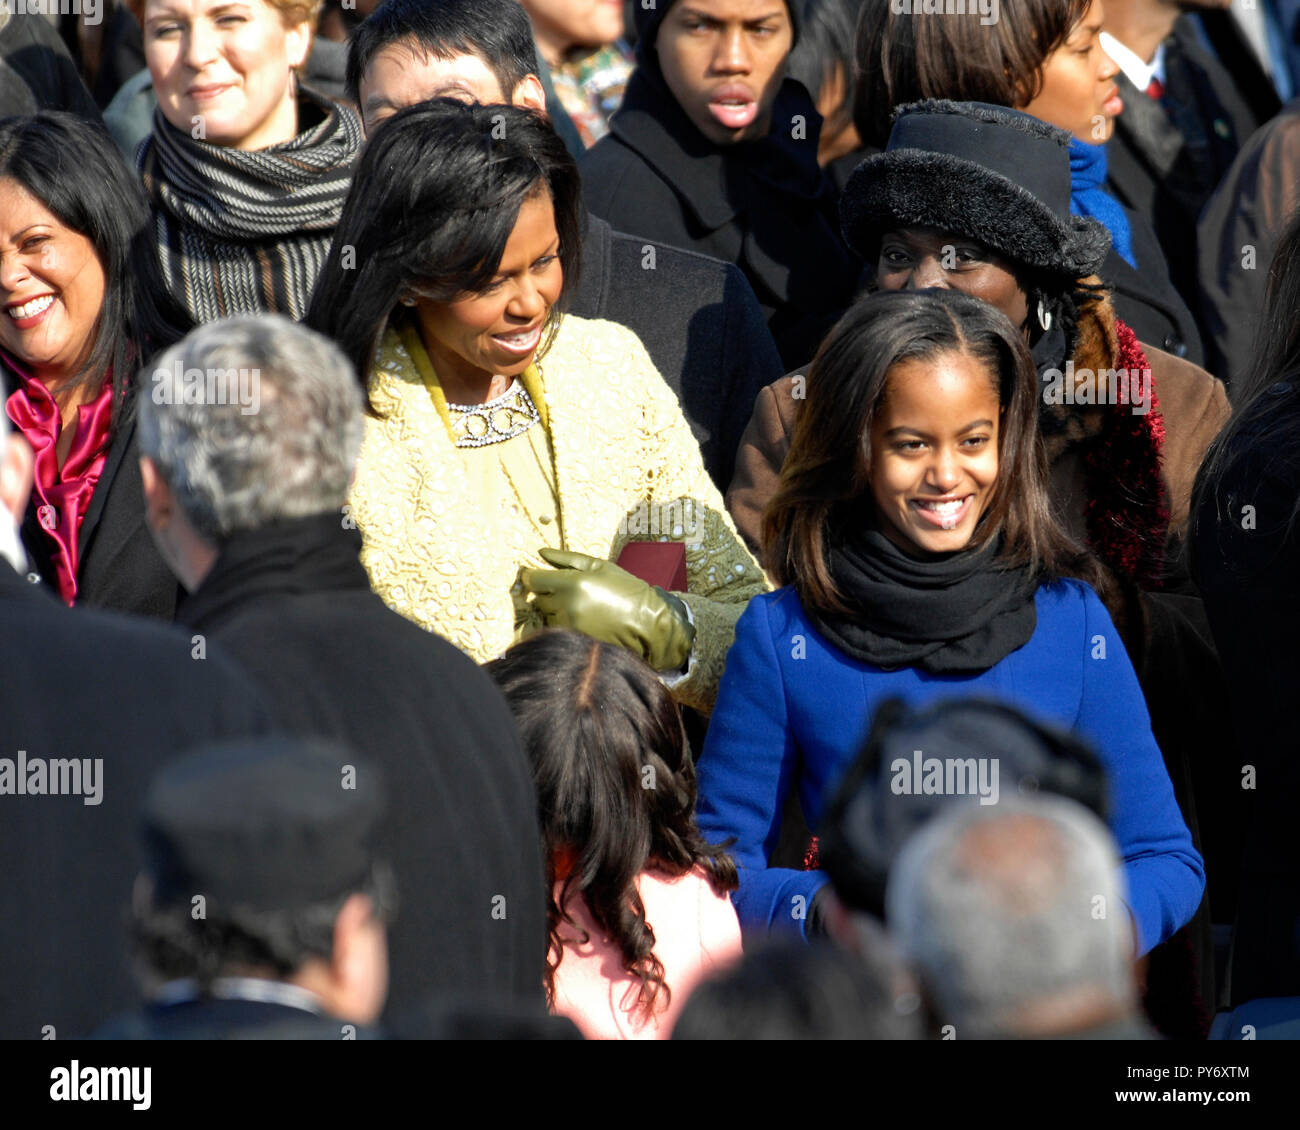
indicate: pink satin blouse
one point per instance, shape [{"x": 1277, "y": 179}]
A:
[{"x": 62, "y": 494}]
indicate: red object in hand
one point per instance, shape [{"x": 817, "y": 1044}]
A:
[{"x": 661, "y": 563}]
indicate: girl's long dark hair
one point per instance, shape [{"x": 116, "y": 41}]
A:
[
  {"x": 1275, "y": 360},
  {"x": 615, "y": 789},
  {"x": 74, "y": 170},
  {"x": 826, "y": 482},
  {"x": 432, "y": 205}
]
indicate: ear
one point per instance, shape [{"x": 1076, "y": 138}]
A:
[
  {"x": 349, "y": 963},
  {"x": 529, "y": 95},
  {"x": 297, "y": 43},
  {"x": 159, "y": 501},
  {"x": 16, "y": 471}
]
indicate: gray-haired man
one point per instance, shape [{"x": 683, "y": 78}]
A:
[
  {"x": 249, "y": 429},
  {"x": 1013, "y": 917}
]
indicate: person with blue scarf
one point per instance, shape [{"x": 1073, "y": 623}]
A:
[{"x": 1045, "y": 58}]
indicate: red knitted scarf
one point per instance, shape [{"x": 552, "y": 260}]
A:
[{"x": 1127, "y": 512}]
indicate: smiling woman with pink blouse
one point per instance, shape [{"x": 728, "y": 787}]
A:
[{"x": 83, "y": 308}]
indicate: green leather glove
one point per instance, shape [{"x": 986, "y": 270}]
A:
[{"x": 605, "y": 602}]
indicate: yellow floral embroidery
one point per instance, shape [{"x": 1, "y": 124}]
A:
[{"x": 622, "y": 448}]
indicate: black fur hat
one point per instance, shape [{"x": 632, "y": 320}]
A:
[{"x": 980, "y": 171}]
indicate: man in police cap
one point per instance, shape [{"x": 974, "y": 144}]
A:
[{"x": 261, "y": 910}]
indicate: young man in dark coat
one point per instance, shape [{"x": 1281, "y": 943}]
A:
[
  {"x": 714, "y": 150},
  {"x": 91, "y": 704},
  {"x": 248, "y": 509},
  {"x": 1183, "y": 122},
  {"x": 697, "y": 317}
]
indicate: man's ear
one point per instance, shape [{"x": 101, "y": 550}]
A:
[
  {"x": 159, "y": 502},
  {"x": 349, "y": 949},
  {"x": 529, "y": 95},
  {"x": 16, "y": 471}
]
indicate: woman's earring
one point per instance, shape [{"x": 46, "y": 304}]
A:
[
  {"x": 408, "y": 301},
  {"x": 1044, "y": 317}
]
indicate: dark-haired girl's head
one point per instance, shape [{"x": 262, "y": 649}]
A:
[
  {"x": 455, "y": 210},
  {"x": 921, "y": 416},
  {"x": 78, "y": 265},
  {"x": 615, "y": 788},
  {"x": 1020, "y": 58}
]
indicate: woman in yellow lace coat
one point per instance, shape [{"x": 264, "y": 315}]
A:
[{"x": 512, "y": 452}]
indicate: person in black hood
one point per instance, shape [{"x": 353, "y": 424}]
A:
[{"x": 715, "y": 150}]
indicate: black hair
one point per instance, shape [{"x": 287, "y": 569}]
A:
[
  {"x": 615, "y": 789},
  {"x": 497, "y": 31},
  {"x": 433, "y": 203},
  {"x": 806, "y": 991},
  {"x": 170, "y": 944},
  {"x": 73, "y": 168},
  {"x": 825, "y": 46}
]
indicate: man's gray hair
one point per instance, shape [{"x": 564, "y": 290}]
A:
[
  {"x": 252, "y": 420},
  {"x": 1001, "y": 908}
]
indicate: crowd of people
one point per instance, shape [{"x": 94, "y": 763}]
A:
[{"x": 707, "y": 519}]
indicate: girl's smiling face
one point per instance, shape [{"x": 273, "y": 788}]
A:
[{"x": 934, "y": 451}]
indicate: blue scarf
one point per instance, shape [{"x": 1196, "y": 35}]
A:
[{"x": 1089, "y": 198}]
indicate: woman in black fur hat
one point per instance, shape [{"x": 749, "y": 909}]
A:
[
  {"x": 975, "y": 197},
  {"x": 714, "y": 150}
]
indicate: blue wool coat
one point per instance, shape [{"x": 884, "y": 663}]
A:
[{"x": 793, "y": 711}]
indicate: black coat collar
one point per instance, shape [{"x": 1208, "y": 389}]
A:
[{"x": 300, "y": 556}]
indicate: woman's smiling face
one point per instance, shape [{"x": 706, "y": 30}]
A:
[
  {"x": 225, "y": 65},
  {"x": 497, "y": 331},
  {"x": 934, "y": 451},
  {"x": 52, "y": 287}
]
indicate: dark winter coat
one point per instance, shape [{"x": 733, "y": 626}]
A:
[
  {"x": 1165, "y": 158},
  {"x": 1246, "y": 563},
  {"x": 85, "y": 684},
  {"x": 1146, "y": 299},
  {"x": 765, "y": 206},
  {"x": 37, "y": 73},
  {"x": 230, "y": 1020},
  {"x": 700, "y": 323},
  {"x": 1238, "y": 234},
  {"x": 293, "y": 606}
]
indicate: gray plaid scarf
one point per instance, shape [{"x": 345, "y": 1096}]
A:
[{"x": 247, "y": 232}]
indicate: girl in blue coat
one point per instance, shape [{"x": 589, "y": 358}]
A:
[{"x": 919, "y": 559}]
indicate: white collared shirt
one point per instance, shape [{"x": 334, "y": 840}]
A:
[{"x": 1135, "y": 70}]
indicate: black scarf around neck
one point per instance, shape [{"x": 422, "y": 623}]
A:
[
  {"x": 948, "y": 614},
  {"x": 290, "y": 558}
]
